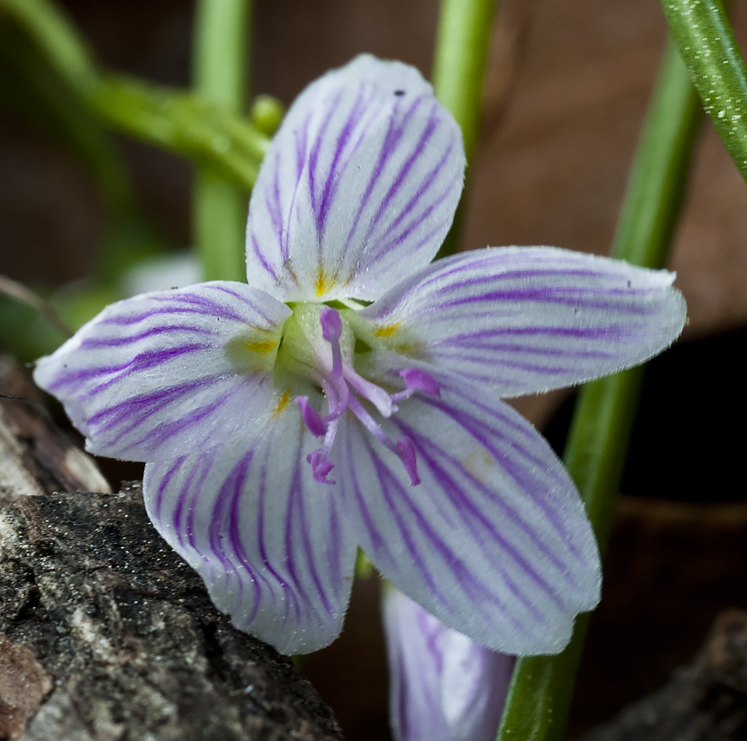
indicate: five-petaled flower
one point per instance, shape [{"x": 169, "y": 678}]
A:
[{"x": 348, "y": 395}]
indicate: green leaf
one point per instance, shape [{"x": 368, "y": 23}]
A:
[{"x": 706, "y": 42}]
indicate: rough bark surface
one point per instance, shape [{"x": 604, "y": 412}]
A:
[
  {"x": 106, "y": 634},
  {"x": 36, "y": 457},
  {"x": 704, "y": 701}
]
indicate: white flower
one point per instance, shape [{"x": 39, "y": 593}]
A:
[{"x": 453, "y": 496}]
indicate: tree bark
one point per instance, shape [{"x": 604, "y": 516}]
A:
[{"x": 704, "y": 701}]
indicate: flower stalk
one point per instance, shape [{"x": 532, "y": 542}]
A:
[
  {"x": 38, "y": 94},
  {"x": 221, "y": 72},
  {"x": 462, "y": 44},
  {"x": 539, "y": 699}
]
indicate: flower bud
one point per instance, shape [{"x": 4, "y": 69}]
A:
[{"x": 443, "y": 686}]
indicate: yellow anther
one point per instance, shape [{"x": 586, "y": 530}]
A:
[
  {"x": 387, "y": 331},
  {"x": 282, "y": 404},
  {"x": 323, "y": 283},
  {"x": 261, "y": 347}
]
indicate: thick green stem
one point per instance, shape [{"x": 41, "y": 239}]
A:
[
  {"x": 186, "y": 124},
  {"x": 222, "y": 33},
  {"x": 221, "y": 61},
  {"x": 539, "y": 699},
  {"x": 183, "y": 123},
  {"x": 459, "y": 64},
  {"x": 462, "y": 44},
  {"x": 706, "y": 42}
]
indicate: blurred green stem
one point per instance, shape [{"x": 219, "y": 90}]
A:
[
  {"x": 540, "y": 695},
  {"x": 462, "y": 44},
  {"x": 58, "y": 38},
  {"x": 707, "y": 44},
  {"x": 222, "y": 35},
  {"x": 186, "y": 124},
  {"x": 31, "y": 86}
]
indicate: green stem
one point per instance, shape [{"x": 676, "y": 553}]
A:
[
  {"x": 182, "y": 123},
  {"x": 706, "y": 42},
  {"x": 541, "y": 690},
  {"x": 222, "y": 33},
  {"x": 221, "y": 63},
  {"x": 461, "y": 53}
]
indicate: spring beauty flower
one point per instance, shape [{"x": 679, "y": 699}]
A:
[
  {"x": 349, "y": 394},
  {"x": 442, "y": 685}
]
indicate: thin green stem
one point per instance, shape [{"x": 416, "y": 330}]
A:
[
  {"x": 182, "y": 123},
  {"x": 30, "y": 85},
  {"x": 707, "y": 44},
  {"x": 56, "y": 35},
  {"x": 461, "y": 53},
  {"x": 541, "y": 690},
  {"x": 221, "y": 70},
  {"x": 36, "y": 88}
]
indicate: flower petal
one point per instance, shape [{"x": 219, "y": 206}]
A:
[
  {"x": 495, "y": 541},
  {"x": 442, "y": 685},
  {"x": 165, "y": 373},
  {"x": 530, "y": 319},
  {"x": 269, "y": 542},
  {"x": 359, "y": 186}
]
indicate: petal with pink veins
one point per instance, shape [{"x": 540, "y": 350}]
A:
[
  {"x": 494, "y": 541},
  {"x": 521, "y": 320},
  {"x": 165, "y": 373},
  {"x": 271, "y": 543},
  {"x": 358, "y": 188}
]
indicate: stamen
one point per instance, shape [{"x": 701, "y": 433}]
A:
[
  {"x": 337, "y": 386},
  {"x": 331, "y": 324},
  {"x": 332, "y": 331},
  {"x": 416, "y": 380},
  {"x": 419, "y": 380},
  {"x": 376, "y": 395},
  {"x": 404, "y": 449},
  {"x": 320, "y": 466},
  {"x": 317, "y": 426}
]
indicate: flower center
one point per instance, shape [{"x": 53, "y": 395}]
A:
[{"x": 318, "y": 346}]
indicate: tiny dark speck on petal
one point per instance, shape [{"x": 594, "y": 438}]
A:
[
  {"x": 629, "y": 284},
  {"x": 399, "y": 92}
]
